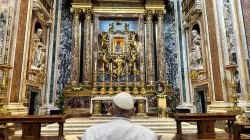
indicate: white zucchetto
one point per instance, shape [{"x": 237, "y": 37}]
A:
[{"x": 124, "y": 100}]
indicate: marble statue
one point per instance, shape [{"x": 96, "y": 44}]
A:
[
  {"x": 38, "y": 57},
  {"x": 196, "y": 53},
  {"x": 133, "y": 40},
  {"x": 38, "y": 35}
]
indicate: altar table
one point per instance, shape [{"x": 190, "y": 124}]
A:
[
  {"x": 111, "y": 98},
  {"x": 205, "y": 121}
]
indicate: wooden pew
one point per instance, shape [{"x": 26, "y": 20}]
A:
[
  {"x": 205, "y": 122},
  {"x": 240, "y": 128},
  {"x": 32, "y": 124}
]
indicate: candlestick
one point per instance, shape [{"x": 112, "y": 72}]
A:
[
  {"x": 134, "y": 65},
  {"x": 94, "y": 90},
  {"x": 111, "y": 90},
  {"x": 135, "y": 90},
  {"x": 103, "y": 90},
  {"x": 127, "y": 88}
]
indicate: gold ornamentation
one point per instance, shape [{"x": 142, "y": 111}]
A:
[
  {"x": 194, "y": 76},
  {"x": 135, "y": 90},
  {"x": 40, "y": 77},
  {"x": 76, "y": 12},
  {"x": 235, "y": 109},
  {"x": 88, "y": 13},
  {"x": 149, "y": 14},
  {"x": 4, "y": 68},
  {"x": 160, "y": 14},
  {"x": 97, "y": 107},
  {"x": 141, "y": 108}
]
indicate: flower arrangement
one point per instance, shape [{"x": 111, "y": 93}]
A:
[
  {"x": 60, "y": 103},
  {"x": 159, "y": 110},
  {"x": 77, "y": 89},
  {"x": 167, "y": 110}
]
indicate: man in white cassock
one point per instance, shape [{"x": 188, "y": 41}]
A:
[{"x": 120, "y": 127}]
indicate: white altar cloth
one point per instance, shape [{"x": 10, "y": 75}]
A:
[{"x": 111, "y": 98}]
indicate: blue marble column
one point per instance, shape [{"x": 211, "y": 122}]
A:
[
  {"x": 171, "y": 47},
  {"x": 65, "y": 46}
]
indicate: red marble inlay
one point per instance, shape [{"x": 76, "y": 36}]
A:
[{"x": 214, "y": 52}]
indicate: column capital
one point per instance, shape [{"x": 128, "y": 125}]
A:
[
  {"x": 160, "y": 14},
  {"x": 149, "y": 14},
  {"x": 88, "y": 13},
  {"x": 76, "y": 12}
]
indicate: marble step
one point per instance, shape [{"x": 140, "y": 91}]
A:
[{"x": 89, "y": 125}]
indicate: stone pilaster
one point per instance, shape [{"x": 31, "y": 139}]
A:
[
  {"x": 161, "y": 51},
  {"x": 150, "y": 47},
  {"x": 75, "y": 48},
  {"x": 87, "y": 47}
]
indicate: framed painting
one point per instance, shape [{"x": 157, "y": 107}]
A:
[
  {"x": 160, "y": 87},
  {"x": 118, "y": 45}
]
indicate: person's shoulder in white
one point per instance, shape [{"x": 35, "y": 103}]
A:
[{"x": 120, "y": 128}]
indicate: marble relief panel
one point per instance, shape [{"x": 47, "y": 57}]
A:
[
  {"x": 65, "y": 46},
  {"x": 171, "y": 49},
  {"x": 78, "y": 102}
]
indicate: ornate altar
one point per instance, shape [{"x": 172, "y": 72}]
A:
[{"x": 120, "y": 58}]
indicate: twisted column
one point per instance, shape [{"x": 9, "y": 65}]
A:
[
  {"x": 87, "y": 47},
  {"x": 161, "y": 51},
  {"x": 75, "y": 48},
  {"x": 150, "y": 47}
]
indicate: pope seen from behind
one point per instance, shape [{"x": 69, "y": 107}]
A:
[{"x": 120, "y": 127}]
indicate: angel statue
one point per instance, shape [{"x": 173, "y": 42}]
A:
[{"x": 133, "y": 40}]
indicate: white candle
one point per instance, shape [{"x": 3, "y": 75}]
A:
[
  {"x": 111, "y": 66},
  {"x": 126, "y": 66},
  {"x": 135, "y": 66},
  {"x": 95, "y": 66}
]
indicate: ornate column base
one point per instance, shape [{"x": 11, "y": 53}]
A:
[{"x": 96, "y": 108}]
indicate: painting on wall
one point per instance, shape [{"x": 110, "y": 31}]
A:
[{"x": 118, "y": 45}]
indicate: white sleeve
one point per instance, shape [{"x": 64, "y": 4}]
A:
[{"x": 88, "y": 134}]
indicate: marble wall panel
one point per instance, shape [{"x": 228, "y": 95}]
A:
[
  {"x": 65, "y": 46},
  {"x": 245, "y": 4},
  {"x": 171, "y": 49},
  {"x": 3, "y": 19}
]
